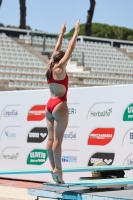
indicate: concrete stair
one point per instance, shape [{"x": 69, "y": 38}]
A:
[
  {"x": 130, "y": 55},
  {"x": 4, "y": 85}
]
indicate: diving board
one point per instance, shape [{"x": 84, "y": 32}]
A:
[
  {"x": 104, "y": 182},
  {"x": 58, "y": 191},
  {"x": 75, "y": 189},
  {"x": 92, "y": 183},
  {"x": 69, "y": 170}
]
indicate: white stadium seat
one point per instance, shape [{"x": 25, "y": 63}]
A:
[{"x": 104, "y": 63}]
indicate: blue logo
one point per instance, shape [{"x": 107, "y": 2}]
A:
[
  {"x": 10, "y": 135},
  {"x": 70, "y": 159},
  {"x": 12, "y": 113},
  {"x": 70, "y": 136}
]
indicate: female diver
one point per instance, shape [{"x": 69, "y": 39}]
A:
[{"x": 56, "y": 108}]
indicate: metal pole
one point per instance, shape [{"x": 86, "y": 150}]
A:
[
  {"x": 83, "y": 59},
  {"x": 44, "y": 40},
  {"x": 31, "y": 38}
]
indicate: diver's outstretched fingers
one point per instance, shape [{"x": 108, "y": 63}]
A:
[
  {"x": 78, "y": 22},
  {"x": 63, "y": 28},
  {"x": 77, "y": 27}
]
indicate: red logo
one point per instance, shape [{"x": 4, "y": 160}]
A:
[
  {"x": 36, "y": 113},
  {"x": 101, "y": 136}
]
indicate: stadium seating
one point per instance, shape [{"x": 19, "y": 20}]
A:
[
  {"x": 19, "y": 66},
  {"x": 107, "y": 65},
  {"x": 92, "y": 63}
]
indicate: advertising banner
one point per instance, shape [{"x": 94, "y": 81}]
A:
[{"x": 100, "y": 127}]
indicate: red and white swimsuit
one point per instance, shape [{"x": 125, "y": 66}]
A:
[{"x": 53, "y": 102}]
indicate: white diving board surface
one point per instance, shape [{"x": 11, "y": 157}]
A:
[{"x": 75, "y": 169}]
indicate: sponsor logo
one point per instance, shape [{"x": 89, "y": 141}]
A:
[
  {"x": 36, "y": 113},
  {"x": 129, "y": 160},
  {"x": 108, "y": 158},
  {"x": 37, "y": 157},
  {"x": 128, "y": 114},
  {"x": 70, "y": 159},
  {"x": 10, "y": 156},
  {"x": 101, "y": 136},
  {"x": 128, "y": 138},
  {"x": 100, "y": 110},
  {"x": 10, "y": 153},
  {"x": 105, "y": 113},
  {"x": 10, "y": 113},
  {"x": 70, "y": 136},
  {"x": 10, "y": 135},
  {"x": 71, "y": 111},
  {"x": 37, "y": 135}
]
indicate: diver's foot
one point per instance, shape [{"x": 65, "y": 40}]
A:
[
  {"x": 55, "y": 178},
  {"x": 58, "y": 174}
]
